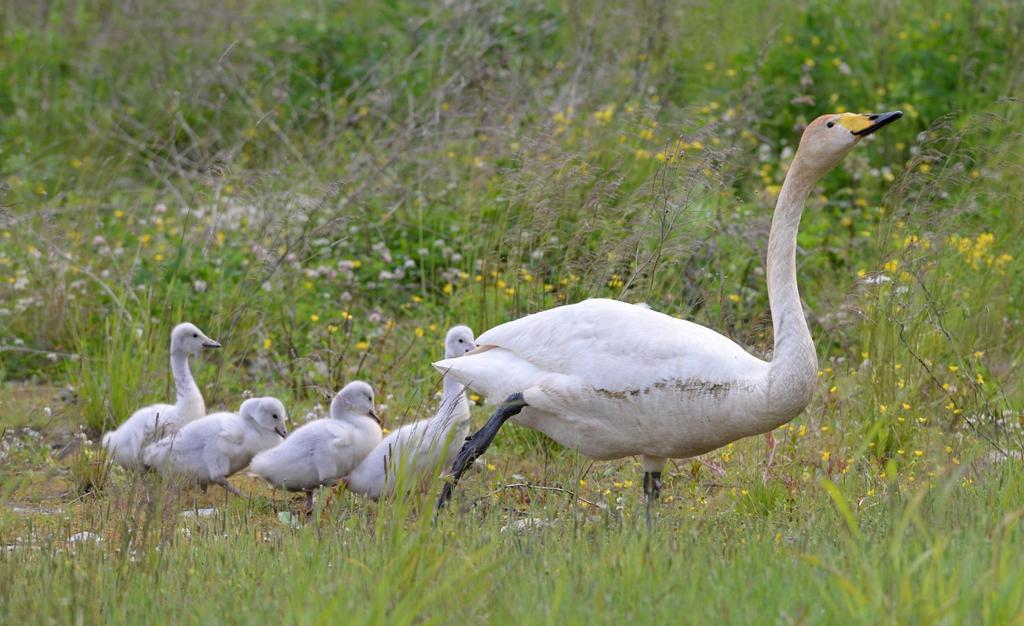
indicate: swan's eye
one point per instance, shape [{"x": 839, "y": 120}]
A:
[
  {"x": 830, "y": 124},
  {"x": 461, "y": 341},
  {"x": 275, "y": 415},
  {"x": 196, "y": 335}
]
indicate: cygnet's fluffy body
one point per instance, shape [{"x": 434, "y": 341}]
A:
[
  {"x": 423, "y": 447},
  {"x": 148, "y": 424},
  {"x": 322, "y": 451},
  {"x": 214, "y": 447}
]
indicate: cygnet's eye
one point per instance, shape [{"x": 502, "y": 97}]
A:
[
  {"x": 275, "y": 415},
  {"x": 830, "y": 124},
  {"x": 461, "y": 341}
]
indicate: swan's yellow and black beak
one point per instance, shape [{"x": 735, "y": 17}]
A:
[{"x": 863, "y": 124}]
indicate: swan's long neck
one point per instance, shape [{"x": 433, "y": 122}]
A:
[
  {"x": 453, "y": 402},
  {"x": 794, "y": 364},
  {"x": 189, "y": 398},
  {"x": 452, "y": 389}
]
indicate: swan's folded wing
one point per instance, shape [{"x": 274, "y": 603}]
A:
[
  {"x": 230, "y": 436},
  {"x": 340, "y": 440},
  {"x": 610, "y": 344},
  {"x": 156, "y": 420},
  {"x": 332, "y": 460},
  {"x": 215, "y": 442}
]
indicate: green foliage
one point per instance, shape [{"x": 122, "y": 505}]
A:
[
  {"x": 326, "y": 187},
  {"x": 115, "y": 369}
]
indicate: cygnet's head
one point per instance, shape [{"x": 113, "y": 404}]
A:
[
  {"x": 187, "y": 338},
  {"x": 829, "y": 138},
  {"x": 268, "y": 414},
  {"x": 355, "y": 398},
  {"x": 458, "y": 341}
]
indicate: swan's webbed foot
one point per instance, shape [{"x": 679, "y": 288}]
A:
[{"x": 478, "y": 442}]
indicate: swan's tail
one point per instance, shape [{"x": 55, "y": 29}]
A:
[
  {"x": 259, "y": 466},
  {"x": 155, "y": 454},
  {"x": 269, "y": 466},
  {"x": 491, "y": 371},
  {"x": 124, "y": 447}
]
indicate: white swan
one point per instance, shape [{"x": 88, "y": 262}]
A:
[
  {"x": 324, "y": 450},
  {"x": 424, "y": 446},
  {"x": 612, "y": 380},
  {"x": 214, "y": 447},
  {"x": 150, "y": 423}
]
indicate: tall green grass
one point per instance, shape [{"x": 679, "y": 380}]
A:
[
  {"x": 326, "y": 187},
  {"x": 924, "y": 556}
]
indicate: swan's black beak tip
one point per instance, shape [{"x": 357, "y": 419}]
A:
[{"x": 878, "y": 120}]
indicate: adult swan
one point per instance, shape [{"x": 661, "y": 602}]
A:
[{"x": 612, "y": 379}]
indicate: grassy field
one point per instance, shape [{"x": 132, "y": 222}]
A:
[{"x": 325, "y": 187}]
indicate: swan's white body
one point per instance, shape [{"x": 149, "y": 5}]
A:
[
  {"x": 324, "y": 450},
  {"x": 214, "y": 447},
  {"x": 148, "y": 424},
  {"x": 623, "y": 380},
  {"x": 424, "y": 446},
  {"x": 612, "y": 379}
]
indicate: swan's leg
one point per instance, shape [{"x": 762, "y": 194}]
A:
[
  {"x": 309, "y": 502},
  {"x": 652, "y": 483},
  {"x": 652, "y": 477},
  {"x": 771, "y": 454},
  {"x": 223, "y": 482},
  {"x": 478, "y": 442}
]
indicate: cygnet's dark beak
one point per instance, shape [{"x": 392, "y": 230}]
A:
[
  {"x": 375, "y": 418},
  {"x": 281, "y": 430},
  {"x": 210, "y": 343},
  {"x": 879, "y": 120}
]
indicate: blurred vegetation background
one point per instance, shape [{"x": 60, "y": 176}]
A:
[{"x": 326, "y": 186}]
